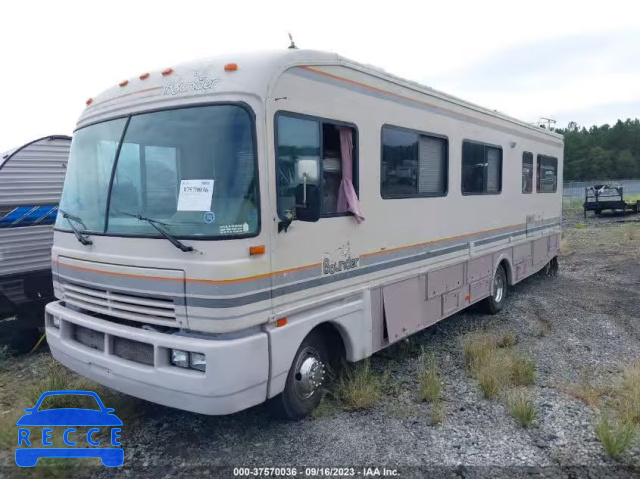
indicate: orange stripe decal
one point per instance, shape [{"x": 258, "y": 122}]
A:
[{"x": 280, "y": 272}]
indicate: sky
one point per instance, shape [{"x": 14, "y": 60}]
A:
[{"x": 564, "y": 59}]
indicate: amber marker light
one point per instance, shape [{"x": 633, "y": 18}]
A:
[
  {"x": 231, "y": 67},
  {"x": 281, "y": 322},
  {"x": 144, "y": 76},
  {"x": 124, "y": 83},
  {"x": 255, "y": 250},
  {"x": 166, "y": 72}
]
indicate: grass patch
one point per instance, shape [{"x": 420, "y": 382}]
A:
[
  {"x": 56, "y": 377},
  {"x": 615, "y": 435},
  {"x": 588, "y": 393},
  {"x": 523, "y": 370},
  {"x": 436, "y": 415},
  {"x": 627, "y": 397},
  {"x": 507, "y": 340},
  {"x": 429, "y": 384},
  {"x": 359, "y": 388},
  {"x": 580, "y": 226},
  {"x": 478, "y": 349},
  {"x": 521, "y": 408},
  {"x": 491, "y": 361}
]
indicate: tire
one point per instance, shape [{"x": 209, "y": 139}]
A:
[
  {"x": 499, "y": 286},
  {"x": 303, "y": 391}
]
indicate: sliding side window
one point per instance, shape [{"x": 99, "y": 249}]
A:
[
  {"x": 481, "y": 169},
  {"x": 333, "y": 145},
  {"x": 547, "y": 177},
  {"x": 413, "y": 164},
  {"x": 527, "y": 172}
]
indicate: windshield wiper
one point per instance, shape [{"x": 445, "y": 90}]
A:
[
  {"x": 175, "y": 242},
  {"x": 70, "y": 219}
]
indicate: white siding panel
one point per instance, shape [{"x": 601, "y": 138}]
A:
[
  {"x": 25, "y": 249},
  {"x": 35, "y": 174}
]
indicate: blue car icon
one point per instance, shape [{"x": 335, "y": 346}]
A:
[{"x": 69, "y": 417}]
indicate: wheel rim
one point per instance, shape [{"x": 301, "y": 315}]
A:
[
  {"x": 309, "y": 373},
  {"x": 498, "y": 287}
]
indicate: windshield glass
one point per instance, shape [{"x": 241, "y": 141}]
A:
[{"x": 191, "y": 169}]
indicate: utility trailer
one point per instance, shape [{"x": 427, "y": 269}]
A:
[
  {"x": 598, "y": 198},
  {"x": 31, "y": 179}
]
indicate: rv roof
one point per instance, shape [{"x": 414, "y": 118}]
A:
[{"x": 256, "y": 73}]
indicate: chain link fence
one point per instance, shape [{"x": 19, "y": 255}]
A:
[{"x": 573, "y": 191}]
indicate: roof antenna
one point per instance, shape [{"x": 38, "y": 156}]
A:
[{"x": 293, "y": 45}]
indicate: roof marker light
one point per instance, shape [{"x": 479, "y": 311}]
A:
[
  {"x": 231, "y": 67},
  {"x": 166, "y": 72},
  {"x": 89, "y": 101},
  {"x": 144, "y": 76},
  {"x": 124, "y": 83}
]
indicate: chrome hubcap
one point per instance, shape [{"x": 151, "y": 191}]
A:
[
  {"x": 309, "y": 373},
  {"x": 498, "y": 288}
]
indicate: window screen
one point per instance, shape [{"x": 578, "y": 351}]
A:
[
  {"x": 547, "y": 177},
  {"x": 481, "y": 169},
  {"x": 413, "y": 164},
  {"x": 527, "y": 172}
]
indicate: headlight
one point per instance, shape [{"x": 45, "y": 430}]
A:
[
  {"x": 56, "y": 322},
  {"x": 198, "y": 361},
  {"x": 180, "y": 358}
]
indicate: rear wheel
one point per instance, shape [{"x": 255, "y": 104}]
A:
[
  {"x": 495, "y": 302},
  {"x": 303, "y": 390}
]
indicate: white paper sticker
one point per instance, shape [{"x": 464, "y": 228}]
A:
[{"x": 195, "y": 195}]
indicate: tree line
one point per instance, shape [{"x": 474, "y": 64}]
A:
[{"x": 602, "y": 152}]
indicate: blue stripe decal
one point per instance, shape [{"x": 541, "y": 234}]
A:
[{"x": 29, "y": 216}]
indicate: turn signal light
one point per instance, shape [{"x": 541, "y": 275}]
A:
[
  {"x": 166, "y": 72},
  {"x": 231, "y": 67},
  {"x": 281, "y": 322},
  {"x": 254, "y": 250}
]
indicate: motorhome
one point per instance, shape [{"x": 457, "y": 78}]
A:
[
  {"x": 31, "y": 179},
  {"x": 230, "y": 228}
]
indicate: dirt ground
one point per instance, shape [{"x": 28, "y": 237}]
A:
[{"x": 581, "y": 327}]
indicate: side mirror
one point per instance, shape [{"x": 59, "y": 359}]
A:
[{"x": 308, "y": 203}]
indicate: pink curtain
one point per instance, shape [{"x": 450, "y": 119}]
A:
[{"x": 347, "y": 198}]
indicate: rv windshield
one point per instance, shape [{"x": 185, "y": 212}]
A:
[{"x": 192, "y": 169}]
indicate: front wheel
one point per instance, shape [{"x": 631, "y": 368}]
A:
[
  {"x": 303, "y": 390},
  {"x": 494, "y": 303}
]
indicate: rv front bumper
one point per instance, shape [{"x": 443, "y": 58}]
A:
[{"x": 138, "y": 362}]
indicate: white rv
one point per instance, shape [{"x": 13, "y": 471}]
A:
[
  {"x": 232, "y": 226},
  {"x": 31, "y": 179}
]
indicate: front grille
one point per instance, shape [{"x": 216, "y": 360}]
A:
[
  {"x": 159, "y": 311},
  {"x": 133, "y": 350},
  {"x": 88, "y": 337}
]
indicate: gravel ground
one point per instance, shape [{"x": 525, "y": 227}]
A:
[{"x": 579, "y": 326}]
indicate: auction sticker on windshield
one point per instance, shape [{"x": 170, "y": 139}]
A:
[{"x": 195, "y": 195}]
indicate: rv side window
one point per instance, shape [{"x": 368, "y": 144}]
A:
[
  {"x": 547, "y": 174},
  {"x": 527, "y": 172},
  {"x": 332, "y": 144},
  {"x": 413, "y": 164},
  {"x": 481, "y": 169}
]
